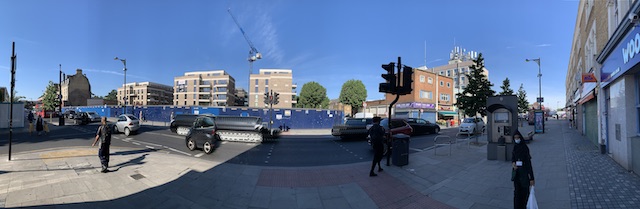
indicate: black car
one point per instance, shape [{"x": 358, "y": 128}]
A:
[
  {"x": 69, "y": 114},
  {"x": 422, "y": 126},
  {"x": 202, "y": 135},
  {"x": 82, "y": 118},
  {"x": 182, "y": 123}
]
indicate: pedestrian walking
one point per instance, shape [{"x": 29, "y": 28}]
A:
[
  {"x": 377, "y": 135},
  {"x": 39, "y": 125},
  {"x": 30, "y": 118},
  {"x": 103, "y": 135},
  {"x": 521, "y": 173}
]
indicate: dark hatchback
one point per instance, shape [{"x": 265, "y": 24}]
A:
[
  {"x": 202, "y": 135},
  {"x": 422, "y": 126},
  {"x": 182, "y": 123}
]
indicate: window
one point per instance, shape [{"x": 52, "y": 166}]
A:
[
  {"x": 441, "y": 83},
  {"x": 256, "y": 81},
  {"x": 448, "y": 84},
  {"x": 266, "y": 82},
  {"x": 426, "y": 94},
  {"x": 266, "y": 89},
  {"x": 448, "y": 72},
  {"x": 255, "y": 89},
  {"x": 222, "y": 82},
  {"x": 421, "y": 78},
  {"x": 444, "y": 97},
  {"x": 430, "y": 80},
  {"x": 441, "y": 72}
]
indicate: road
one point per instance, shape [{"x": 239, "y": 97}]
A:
[{"x": 288, "y": 151}]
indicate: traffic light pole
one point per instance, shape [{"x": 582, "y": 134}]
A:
[{"x": 13, "y": 84}]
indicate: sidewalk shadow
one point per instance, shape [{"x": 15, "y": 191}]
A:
[{"x": 134, "y": 161}]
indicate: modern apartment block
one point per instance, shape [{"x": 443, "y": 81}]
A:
[
  {"x": 459, "y": 68},
  {"x": 75, "y": 89},
  {"x": 204, "y": 88},
  {"x": 276, "y": 80},
  {"x": 242, "y": 99},
  {"x": 146, "y": 93}
]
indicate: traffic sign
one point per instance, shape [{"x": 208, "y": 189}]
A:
[{"x": 540, "y": 99}]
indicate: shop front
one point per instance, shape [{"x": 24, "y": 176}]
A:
[
  {"x": 619, "y": 88},
  {"x": 425, "y": 111}
]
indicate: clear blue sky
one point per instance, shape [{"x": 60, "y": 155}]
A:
[{"x": 328, "y": 41}]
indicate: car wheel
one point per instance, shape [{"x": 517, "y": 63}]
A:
[
  {"x": 207, "y": 147},
  {"x": 191, "y": 144},
  {"x": 127, "y": 132},
  {"x": 436, "y": 130}
]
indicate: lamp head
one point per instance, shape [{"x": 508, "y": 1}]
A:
[{"x": 118, "y": 59}]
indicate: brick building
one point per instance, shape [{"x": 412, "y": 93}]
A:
[{"x": 76, "y": 89}]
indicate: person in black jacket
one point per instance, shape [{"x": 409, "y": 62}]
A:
[
  {"x": 39, "y": 125},
  {"x": 376, "y": 132},
  {"x": 103, "y": 135},
  {"x": 522, "y": 172}
]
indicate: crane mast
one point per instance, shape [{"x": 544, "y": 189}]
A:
[{"x": 253, "y": 52}]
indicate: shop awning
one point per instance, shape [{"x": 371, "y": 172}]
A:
[{"x": 448, "y": 113}]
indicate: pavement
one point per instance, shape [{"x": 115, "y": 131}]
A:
[{"x": 570, "y": 173}]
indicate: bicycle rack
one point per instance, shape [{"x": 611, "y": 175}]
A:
[
  {"x": 436, "y": 145},
  {"x": 467, "y": 139}
]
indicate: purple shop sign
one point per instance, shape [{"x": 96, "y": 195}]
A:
[{"x": 416, "y": 105}]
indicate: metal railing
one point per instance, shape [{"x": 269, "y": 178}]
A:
[{"x": 447, "y": 143}]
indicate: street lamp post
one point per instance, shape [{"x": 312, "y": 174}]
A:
[
  {"x": 539, "y": 100},
  {"x": 124, "y": 85}
]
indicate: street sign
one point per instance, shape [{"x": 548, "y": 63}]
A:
[{"x": 540, "y": 99}]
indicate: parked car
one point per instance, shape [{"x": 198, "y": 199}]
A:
[
  {"x": 127, "y": 124},
  {"x": 70, "y": 114},
  {"x": 398, "y": 126},
  {"x": 352, "y": 128},
  {"x": 422, "y": 126},
  {"x": 202, "y": 134},
  {"x": 94, "y": 117},
  {"x": 472, "y": 126},
  {"x": 82, "y": 118}
]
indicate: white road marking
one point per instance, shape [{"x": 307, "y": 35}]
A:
[
  {"x": 199, "y": 155},
  {"x": 167, "y": 135},
  {"x": 136, "y": 143},
  {"x": 150, "y": 147},
  {"x": 178, "y": 151},
  {"x": 414, "y": 149}
]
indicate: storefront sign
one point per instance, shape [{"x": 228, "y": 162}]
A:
[
  {"x": 416, "y": 105},
  {"x": 622, "y": 58},
  {"x": 589, "y": 78},
  {"x": 445, "y": 108}
]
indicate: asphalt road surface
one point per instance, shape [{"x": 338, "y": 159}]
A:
[{"x": 288, "y": 151}]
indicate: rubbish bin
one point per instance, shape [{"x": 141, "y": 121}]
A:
[
  {"x": 502, "y": 152},
  {"x": 400, "y": 154},
  {"x": 60, "y": 120}
]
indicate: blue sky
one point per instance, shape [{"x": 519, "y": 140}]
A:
[{"x": 329, "y": 41}]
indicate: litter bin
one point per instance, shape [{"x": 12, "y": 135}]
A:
[
  {"x": 400, "y": 154},
  {"x": 60, "y": 120}
]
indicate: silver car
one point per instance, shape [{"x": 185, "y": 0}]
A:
[{"x": 127, "y": 123}]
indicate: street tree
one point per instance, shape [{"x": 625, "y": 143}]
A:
[
  {"x": 523, "y": 104},
  {"x": 353, "y": 93},
  {"x": 50, "y": 97},
  {"x": 473, "y": 100},
  {"x": 313, "y": 95},
  {"x": 506, "y": 88},
  {"x": 113, "y": 95}
]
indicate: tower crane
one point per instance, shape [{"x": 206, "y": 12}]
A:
[{"x": 253, "y": 52}]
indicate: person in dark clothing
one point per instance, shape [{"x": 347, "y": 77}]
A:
[
  {"x": 31, "y": 119},
  {"x": 522, "y": 172},
  {"x": 377, "y": 134},
  {"x": 103, "y": 135},
  {"x": 39, "y": 125}
]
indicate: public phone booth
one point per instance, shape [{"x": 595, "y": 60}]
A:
[{"x": 502, "y": 122}]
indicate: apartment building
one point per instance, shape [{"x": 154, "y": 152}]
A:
[
  {"x": 459, "y": 68},
  {"x": 276, "y": 80},
  {"x": 242, "y": 99},
  {"x": 602, "y": 78},
  {"x": 145, "y": 93},
  {"x": 204, "y": 88},
  {"x": 76, "y": 89}
]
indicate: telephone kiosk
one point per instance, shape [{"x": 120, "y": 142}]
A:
[{"x": 502, "y": 122}]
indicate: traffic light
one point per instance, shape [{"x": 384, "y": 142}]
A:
[
  {"x": 407, "y": 81},
  {"x": 276, "y": 98},
  {"x": 389, "y": 86},
  {"x": 266, "y": 98}
]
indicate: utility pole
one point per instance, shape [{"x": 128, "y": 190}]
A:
[
  {"x": 60, "y": 117},
  {"x": 13, "y": 84}
]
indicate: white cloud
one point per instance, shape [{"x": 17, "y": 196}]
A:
[
  {"x": 4, "y": 67},
  {"x": 268, "y": 37},
  {"x": 114, "y": 73},
  {"x": 543, "y": 45}
]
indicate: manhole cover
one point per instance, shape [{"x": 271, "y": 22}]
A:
[{"x": 137, "y": 176}]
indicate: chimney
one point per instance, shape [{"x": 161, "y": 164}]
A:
[{"x": 78, "y": 71}]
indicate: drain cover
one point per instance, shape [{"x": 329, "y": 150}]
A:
[{"x": 137, "y": 176}]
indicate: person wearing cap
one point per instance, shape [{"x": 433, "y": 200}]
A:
[
  {"x": 522, "y": 172},
  {"x": 377, "y": 133}
]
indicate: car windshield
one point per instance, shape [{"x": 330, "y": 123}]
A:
[{"x": 468, "y": 120}]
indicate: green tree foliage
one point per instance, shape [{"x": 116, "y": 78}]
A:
[
  {"x": 523, "y": 104},
  {"x": 473, "y": 100},
  {"x": 506, "y": 88},
  {"x": 313, "y": 95},
  {"x": 353, "y": 93},
  {"x": 113, "y": 95},
  {"x": 50, "y": 97}
]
